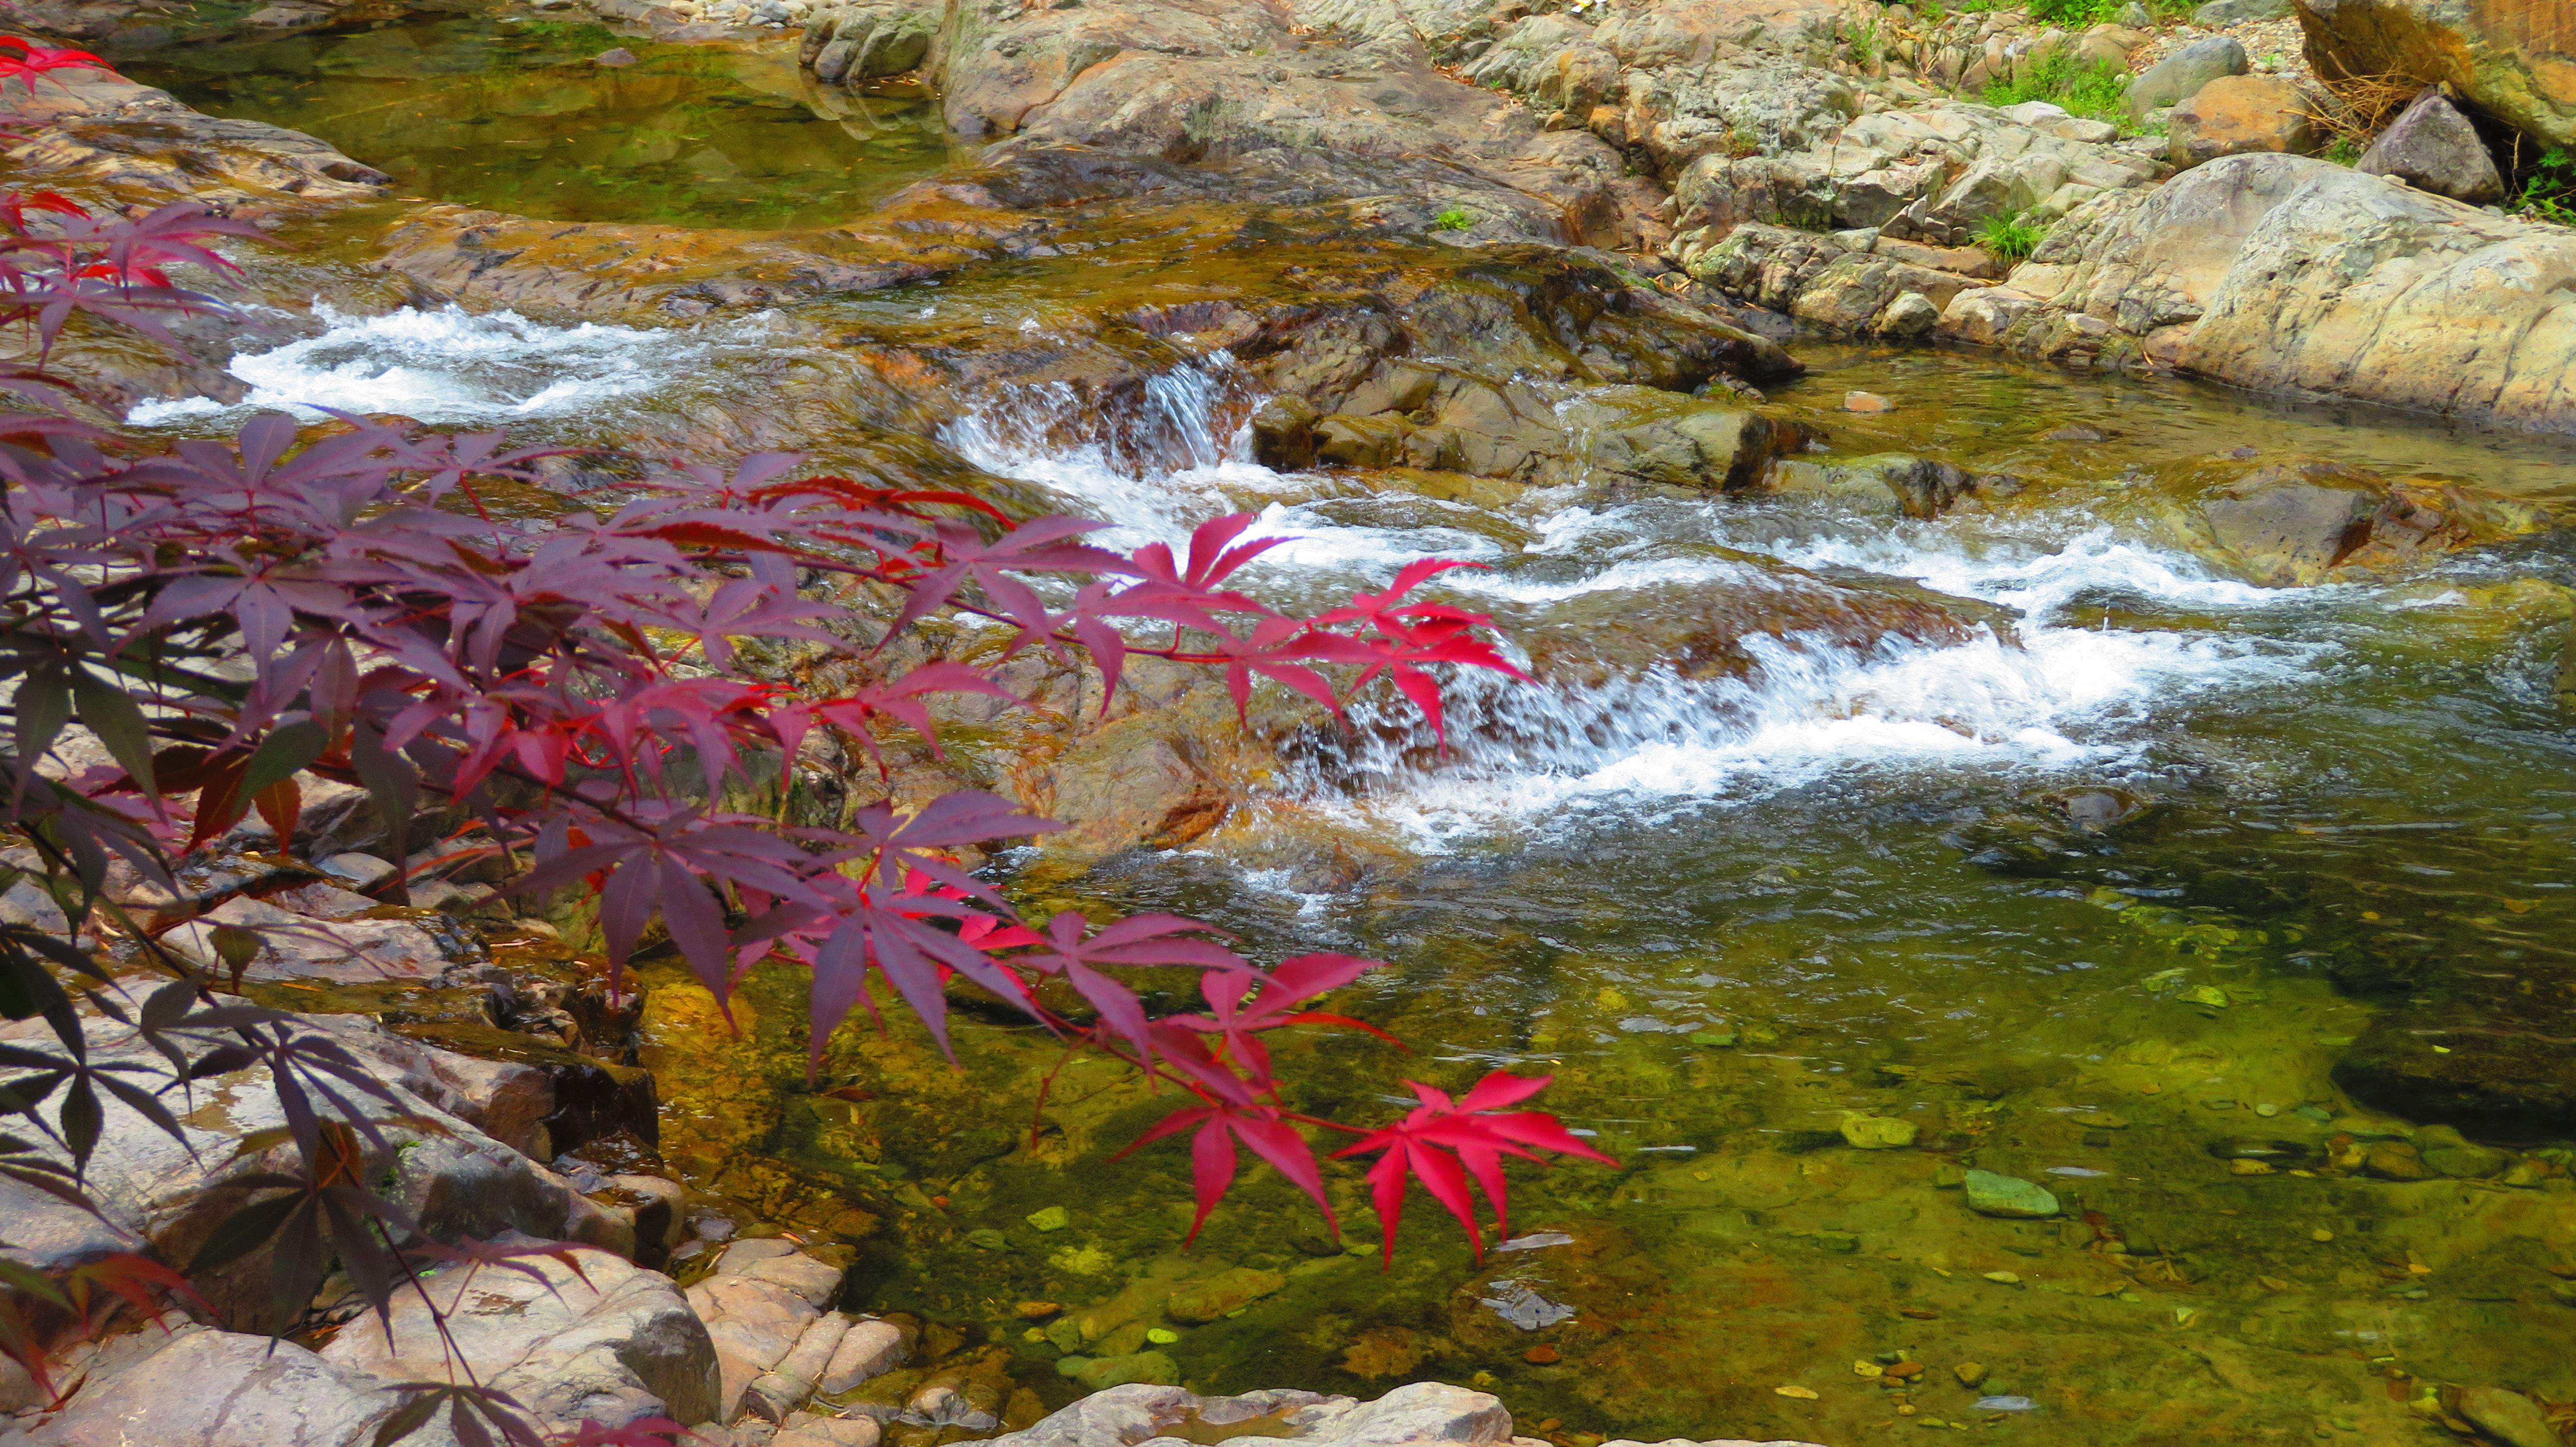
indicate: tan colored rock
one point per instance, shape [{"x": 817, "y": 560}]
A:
[
  {"x": 98, "y": 127},
  {"x": 1692, "y": 32},
  {"x": 616, "y": 1346},
  {"x": 2238, "y": 114},
  {"x": 2286, "y": 274},
  {"x": 868, "y": 1350},
  {"x": 2513, "y": 59},
  {"x": 1247, "y": 87}
]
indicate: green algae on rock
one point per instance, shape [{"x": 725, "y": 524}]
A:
[{"x": 1990, "y": 1194}]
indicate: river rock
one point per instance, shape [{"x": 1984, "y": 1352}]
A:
[
  {"x": 869, "y": 1349},
  {"x": 2512, "y": 59},
  {"x": 1231, "y": 86},
  {"x": 1990, "y": 1194},
  {"x": 2450, "y": 1154},
  {"x": 2295, "y": 523},
  {"x": 2237, "y": 114},
  {"x": 1098, "y": 1374},
  {"x": 138, "y": 143},
  {"x": 1877, "y": 1132},
  {"x": 793, "y": 1377},
  {"x": 1729, "y": 617},
  {"x": 2179, "y": 76},
  {"x": 2218, "y": 13},
  {"x": 1926, "y": 173},
  {"x": 198, "y": 1387},
  {"x": 2509, "y": 1417},
  {"x": 2432, "y": 147},
  {"x": 169, "y": 1196},
  {"x": 609, "y": 1343},
  {"x": 868, "y": 40},
  {"x": 1896, "y": 482},
  {"x": 2286, "y": 274}
]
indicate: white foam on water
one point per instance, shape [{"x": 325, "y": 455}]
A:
[
  {"x": 2058, "y": 695},
  {"x": 451, "y": 366},
  {"x": 2038, "y": 577}
]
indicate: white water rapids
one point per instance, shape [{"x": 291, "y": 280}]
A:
[
  {"x": 2071, "y": 691},
  {"x": 2058, "y": 696}
]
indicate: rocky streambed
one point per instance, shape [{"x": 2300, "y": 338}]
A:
[{"x": 2041, "y": 839}]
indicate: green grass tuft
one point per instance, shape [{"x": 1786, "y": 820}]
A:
[
  {"x": 1453, "y": 219},
  {"x": 2097, "y": 92},
  {"x": 2010, "y": 238}
]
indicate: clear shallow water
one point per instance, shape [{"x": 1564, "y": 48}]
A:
[
  {"x": 1728, "y": 907},
  {"x": 513, "y": 113},
  {"x": 1730, "y": 911}
]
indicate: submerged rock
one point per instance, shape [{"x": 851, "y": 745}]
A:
[
  {"x": 1228, "y": 1291},
  {"x": 1878, "y": 1133},
  {"x": 2505, "y": 1073},
  {"x": 2295, "y": 523},
  {"x": 2509, "y": 1417},
  {"x": 1990, "y": 1194}
]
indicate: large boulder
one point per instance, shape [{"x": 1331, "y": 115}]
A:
[
  {"x": 166, "y": 1196},
  {"x": 2287, "y": 274},
  {"x": 1693, "y": 32},
  {"x": 601, "y": 1340},
  {"x": 140, "y": 145},
  {"x": 1248, "y": 88},
  {"x": 1928, "y": 173},
  {"x": 2432, "y": 147},
  {"x": 2513, "y": 59},
  {"x": 868, "y": 40},
  {"x": 204, "y": 1388},
  {"x": 2235, "y": 115}
]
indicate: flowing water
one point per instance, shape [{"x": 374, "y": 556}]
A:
[{"x": 2093, "y": 893}]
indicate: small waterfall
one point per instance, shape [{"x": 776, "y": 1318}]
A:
[
  {"x": 1119, "y": 448},
  {"x": 1159, "y": 454}
]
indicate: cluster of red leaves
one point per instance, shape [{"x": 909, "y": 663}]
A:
[{"x": 227, "y": 618}]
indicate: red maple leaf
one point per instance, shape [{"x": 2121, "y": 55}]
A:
[{"x": 1447, "y": 1142}]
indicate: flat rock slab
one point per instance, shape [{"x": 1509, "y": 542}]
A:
[{"x": 223, "y": 1389}]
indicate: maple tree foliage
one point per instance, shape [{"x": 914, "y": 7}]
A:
[{"x": 345, "y": 602}]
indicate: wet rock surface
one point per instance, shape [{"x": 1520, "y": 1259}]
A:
[{"x": 96, "y": 129}]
